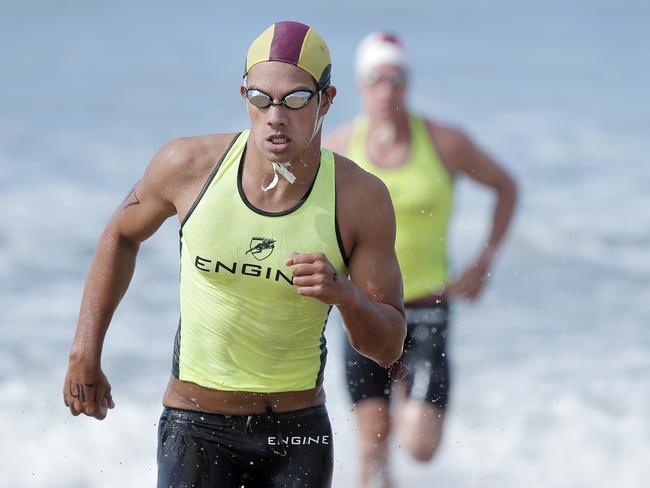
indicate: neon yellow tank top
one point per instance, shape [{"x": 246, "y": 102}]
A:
[
  {"x": 243, "y": 325},
  {"x": 421, "y": 190}
]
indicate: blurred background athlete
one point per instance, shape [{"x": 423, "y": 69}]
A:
[{"x": 419, "y": 159}]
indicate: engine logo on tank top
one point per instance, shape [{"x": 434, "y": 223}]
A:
[{"x": 261, "y": 247}]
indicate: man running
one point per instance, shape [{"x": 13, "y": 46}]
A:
[
  {"x": 271, "y": 228},
  {"x": 418, "y": 159}
]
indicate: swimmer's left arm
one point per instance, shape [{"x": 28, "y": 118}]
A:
[
  {"x": 462, "y": 156},
  {"x": 370, "y": 302}
]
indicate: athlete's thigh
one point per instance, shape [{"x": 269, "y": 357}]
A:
[
  {"x": 426, "y": 357},
  {"x": 303, "y": 454},
  {"x": 419, "y": 428},
  {"x": 306, "y": 468},
  {"x": 187, "y": 458}
]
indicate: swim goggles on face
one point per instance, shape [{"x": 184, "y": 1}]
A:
[{"x": 294, "y": 100}]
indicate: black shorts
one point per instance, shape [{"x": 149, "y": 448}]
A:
[
  {"x": 423, "y": 367},
  {"x": 201, "y": 450}
]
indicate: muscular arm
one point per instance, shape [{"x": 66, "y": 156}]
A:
[
  {"x": 462, "y": 156},
  {"x": 373, "y": 311},
  {"x": 145, "y": 208},
  {"x": 370, "y": 301}
]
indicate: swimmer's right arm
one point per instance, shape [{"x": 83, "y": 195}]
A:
[{"x": 149, "y": 203}]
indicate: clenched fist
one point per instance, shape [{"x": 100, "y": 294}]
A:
[
  {"x": 315, "y": 277},
  {"x": 86, "y": 390}
]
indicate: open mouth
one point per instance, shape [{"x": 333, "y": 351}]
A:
[
  {"x": 278, "y": 143},
  {"x": 279, "y": 139}
]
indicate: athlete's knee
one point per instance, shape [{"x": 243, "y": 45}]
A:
[
  {"x": 425, "y": 451},
  {"x": 421, "y": 431},
  {"x": 422, "y": 445}
]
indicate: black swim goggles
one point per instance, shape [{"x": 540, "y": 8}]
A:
[{"x": 294, "y": 100}]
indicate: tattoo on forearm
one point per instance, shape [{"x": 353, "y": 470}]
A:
[
  {"x": 131, "y": 199},
  {"x": 334, "y": 275}
]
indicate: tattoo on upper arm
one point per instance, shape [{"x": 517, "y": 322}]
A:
[{"x": 131, "y": 199}]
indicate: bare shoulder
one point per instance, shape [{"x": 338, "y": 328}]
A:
[
  {"x": 452, "y": 143},
  {"x": 364, "y": 209},
  {"x": 356, "y": 183},
  {"x": 184, "y": 161},
  {"x": 447, "y": 135},
  {"x": 462, "y": 156},
  {"x": 187, "y": 155},
  {"x": 363, "y": 200},
  {"x": 339, "y": 139}
]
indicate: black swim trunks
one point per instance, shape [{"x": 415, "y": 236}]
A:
[
  {"x": 423, "y": 367},
  {"x": 202, "y": 450}
]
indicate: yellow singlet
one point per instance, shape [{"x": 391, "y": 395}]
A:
[
  {"x": 243, "y": 325},
  {"x": 421, "y": 190}
]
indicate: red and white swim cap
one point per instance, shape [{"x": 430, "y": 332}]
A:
[{"x": 379, "y": 48}]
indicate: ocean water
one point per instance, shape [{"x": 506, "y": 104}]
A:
[{"x": 551, "y": 367}]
